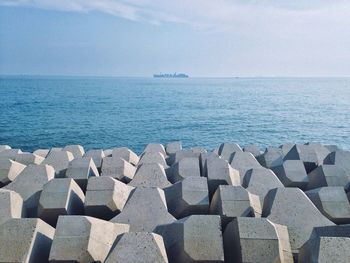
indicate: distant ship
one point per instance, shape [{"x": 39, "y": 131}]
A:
[{"x": 175, "y": 75}]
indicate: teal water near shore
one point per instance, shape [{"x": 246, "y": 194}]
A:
[{"x": 41, "y": 112}]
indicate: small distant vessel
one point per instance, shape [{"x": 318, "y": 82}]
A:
[{"x": 175, "y": 75}]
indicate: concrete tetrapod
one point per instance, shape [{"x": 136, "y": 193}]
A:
[
  {"x": 29, "y": 158},
  {"x": 306, "y": 154},
  {"x": 4, "y": 147},
  {"x": 340, "y": 159},
  {"x": 154, "y": 148},
  {"x": 173, "y": 147},
  {"x": 328, "y": 175},
  {"x": 292, "y": 173},
  {"x": 126, "y": 154},
  {"x": 227, "y": 149},
  {"x": 186, "y": 167},
  {"x": 10, "y": 153},
  {"x": 150, "y": 175},
  {"x": 11, "y": 205},
  {"x": 153, "y": 157},
  {"x": 59, "y": 160},
  {"x": 118, "y": 168},
  {"x": 9, "y": 170},
  {"x": 97, "y": 156},
  {"x": 244, "y": 161},
  {"x": 84, "y": 239},
  {"x": 76, "y": 150},
  {"x": 253, "y": 149},
  {"x": 271, "y": 157}
]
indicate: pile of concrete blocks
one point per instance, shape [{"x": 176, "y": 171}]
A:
[{"x": 288, "y": 203}]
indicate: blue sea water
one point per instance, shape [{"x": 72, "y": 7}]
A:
[{"x": 42, "y": 112}]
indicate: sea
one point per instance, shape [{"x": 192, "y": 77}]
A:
[{"x": 106, "y": 112}]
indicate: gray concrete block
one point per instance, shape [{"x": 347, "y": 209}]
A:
[
  {"x": 286, "y": 148},
  {"x": 256, "y": 240},
  {"x": 145, "y": 210},
  {"x": 332, "y": 202},
  {"x": 271, "y": 157},
  {"x": 10, "y": 153},
  {"x": 77, "y": 150},
  {"x": 202, "y": 160},
  {"x": 59, "y": 160},
  {"x": 29, "y": 184},
  {"x": 126, "y": 154},
  {"x": 227, "y": 149},
  {"x": 11, "y": 205},
  {"x": 332, "y": 148},
  {"x": 292, "y": 208},
  {"x": 253, "y": 149},
  {"x": 29, "y": 158},
  {"x": 84, "y": 239},
  {"x": 199, "y": 150},
  {"x": 4, "y": 147},
  {"x": 188, "y": 197},
  {"x": 81, "y": 169},
  {"x": 321, "y": 151},
  {"x": 153, "y": 157},
  {"x": 186, "y": 167},
  {"x": 42, "y": 152},
  {"x": 340, "y": 159},
  {"x": 305, "y": 153},
  {"x": 138, "y": 247},
  {"x": 9, "y": 170},
  {"x": 25, "y": 240},
  {"x": 105, "y": 197},
  {"x": 179, "y": 155},
  {"x": 244, "y": 161},
  {"x": 292, "y": 173},
  {"x": 185, "y": 240},
  {"x": 328, "y": 175},
  {"x": 154, "y": 148},
  {"x": 97, "y": 156},
  {"x": 118, "y": 168},
  {"x": 150, "y": 175},
  {"x": 173, "y": 147},
  {"x": 108, "y": 152}
]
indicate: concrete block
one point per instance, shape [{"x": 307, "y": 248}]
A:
[
  {"x": 179, "y": 155},
  {"x": 11, "y": 205},
  {"x": 145, "y": 210},
  {"x": 332, "y": 148},
  {"x": 81, "y": 169},
  {"x": 105, "y": 197},
  {"x": 150, "y": 175},
  {"x": 271, "y": 157},
  {"x": 305, "y": 153},
  {"x": 84, "y": 239},
  {"x": 256, "y": 240},
  {"x": 188, "y": 197},
  {"x": 292, "y": 173},
  {"x": 108, "y": 152},
  {"x": 185, "y": 240},
  {"x": 253, "y": 149},
  {"x": 198, "y": 150},
  {"x": 155, "y": 148},
  {"x": 332, "y": 202},
  {"x": 10, "y": 153},
  {"x": 77, "y": 150},
  {"x": 227, "y": 149},
  {"x": 321, "y": 151},
  {"x": 233, "y": 201},
  {"x": 244, "y": 161},
  {"x": 9, "y": 170},
  {"x": 29, "y": 184},
  {"x": 42, "y": 152},
  {"x": 25, "y": 240},
  {"x": 328, "y": 175},
  {"x": 59, "y": 160},
  {"x": 29, "y": 158},
  {"x": 173, "y": 147},
  {"x": 118, "y": 169},
  {"x": 153, "y": 157},
  {"x": 340, "y": 159},
  {"x": 60, "y": 196},
  {"x": 138, "y": 247},
  {"x": 186, "y": 167},
  {"x": 97, "y": 156},
  {"x": 286, "y": 148},
  {"x": 292, "y": 208},
  {"x": 126, "y": 154},
  {"x": 202, "y": 160},
  {"x": 4, "y": 147}
]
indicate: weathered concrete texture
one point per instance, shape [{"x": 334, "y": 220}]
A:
[
  {"x": 42, "y": 152},
  {"x": 244, "y": 161},
  {"x": 340, "y": 159},
  {"x": 97, "y": 156},
  {"x": 188, "y": 197},
  {"x": 292, "y": 208},
  {"x": 9, "y": 170},
  {"x": 29, "y": 185},
  {"x": 196, "y": 238},
  {"x": 126, "y": 154},
  {"x": 84, "y": 239},
  {"x": 25, "y": 240},
  {"x": 332, "y": 202},
  {"x": 186, "y": 167},
  {"x": 108, "y": 152},
  {"x": 227, "y": 149},
  {"x": 253, "y": 149},
  {"x": 292, "y": 173},
  {"x": 179, "y": 155},
  {"x": 10, "y": 153},
  {"x": 321, "y": 151},
  {"x": 153, "y": 157},
  {"x": 328, "y": 175},
  {"x": 233, "y": 201},
  {"x": 286, "y": 148},
  {"x": 155, "y": 148},
  {"x": 150, "y": 175},
  {"x": 199, "y": 150},
  {"x": 219, "y": 172},
  {"x": 138, "y": 247},
  {"x": 118, "y": 168},
  {"x": 81, "y": 169},
  {"x": 173, "y": 147},
  {"x": 332, "y": 147},
  {"x": 76, "y": 150},
  {"x": 105, "y": 197},
  {"x": 145, "y": 210},
  {"x": 59, "y": 160},
  {"x": 271, "y": 157},
  {"x": 60, "y": 197},
  {"x": 11, "y": 205},
  {"x": 4, "y": 147},
  {"x": 260, "y": 181},
  {"x": 256, "y": 240},
  {"x": 306, "y": 154},
  {"x": 29, "y": 158}
]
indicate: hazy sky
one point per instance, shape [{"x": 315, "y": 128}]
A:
[{"x": 198, "y": 37}]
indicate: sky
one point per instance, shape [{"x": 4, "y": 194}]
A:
[{"x": 203, "y": 38}]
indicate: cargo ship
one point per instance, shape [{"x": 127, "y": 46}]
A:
[{"x": 175, "y": 75}]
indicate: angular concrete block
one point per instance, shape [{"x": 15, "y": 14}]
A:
[
  {"x": 4, "y": 147},
  {"x": 187, "y": 241},
  {"x": 108, "y": 152},
  {"x": 97, "y": 156},
  {"x": 118, "y": 168},
  {"x": 76, "y": 150},
  {"x": 29, "y": 184},
  {"x": 271, "y": 157},
  {"x": 332, "y": 202},
  {"x": 227, "y": 149},
  {"x": 154, "y": 148},
  {"x": 42, "y": 152},
  {"x": 59, "y": 160},
  {"x": 286, "y": 148},
  {"x": 256, "y": 240},
  {"x": 260, "y": 181},
  {"x": 81, "y": 169},
  {"x": 105, "y": 197},
  {"x": 60, "y": 196},
  {"x": 292, "y": 173},
  {"x": 328, "y": 175},
  {"x": 253, "y": 149},
  {"x": 233, "y": 201},
  {"x": 173, "y": 147},
  {"x": 138, "y": 247},
  {"x": 153, "y": 157},
  {"x": 84, "y": 239},
  {"x": 25, "y": 240},
  {"x": 340, "y": 159},
  {"x": 150, "y": 175},
  {"x": 11, "y": 205},
  {"x": 305, "y": 153},
  {"x": 10, "y": 153},
  {"x": 179, "y": 155},
  {"x": 186, "y": 167},
  {"x": 126, "y": 154},
  {"x": 202, "y": 160},
  {"x": 332, "y": 148},
  {"x": 145, "y": 210},
  {"x": 9, "y": 170},
  {"x": 321, "y": 151},
  {"x": 198, "y": 150},
  {"x": 244, "y": 161},
  {"x": 188, "y": 197},
  {"x": 29, "y": 158},
  {"x": 292, "y": 208}
]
